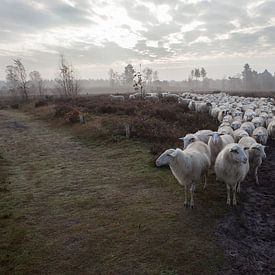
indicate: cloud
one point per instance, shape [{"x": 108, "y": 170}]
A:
[{"x": 101, "y": 33}]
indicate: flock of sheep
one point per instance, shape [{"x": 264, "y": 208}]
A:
[{"x": 235, "y": 149}]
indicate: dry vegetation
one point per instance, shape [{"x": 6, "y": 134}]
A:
[{"x": 159, "y": 124}]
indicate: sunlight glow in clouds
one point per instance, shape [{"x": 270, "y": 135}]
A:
[{"x": 100, "y": 34}]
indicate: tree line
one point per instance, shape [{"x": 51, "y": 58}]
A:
[{"x": 21, "y": 84}]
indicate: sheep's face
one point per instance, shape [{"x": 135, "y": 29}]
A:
[
  {"x": 216, "y": 137},
  {"x": 238, "y": 154},
  {"x": 259, "y": 149},
  {"x": 235, "y": 125},
  {"x": 188, "y": 139},
  {"x": 165, "y": 158}
]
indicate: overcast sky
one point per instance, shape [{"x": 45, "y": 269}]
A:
[{"x": 171, "y": 36}]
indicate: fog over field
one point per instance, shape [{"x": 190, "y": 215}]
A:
[{"x": 172, "y": 37}]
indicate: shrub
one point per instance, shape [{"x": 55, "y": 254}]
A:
[{"x": 40, "y": 103}]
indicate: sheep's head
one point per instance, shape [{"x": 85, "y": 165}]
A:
[
  {"x": 258, "y": 149},
  {"x": 188, "y": 139},
  {"x": 215, "y": 137},
  {"x": 166, "y": 157},
  {"x": 238, "y": 154}
]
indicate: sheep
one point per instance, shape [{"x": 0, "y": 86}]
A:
[
  {"x": 226, "y": 130},
  {"x": 188, "y": 166},
  {"x": 183, "y": 101},
  {"x": 248, "y": 127},
  {"x": 202, "y": 135},
  {"x": 249, "y": 115},
  {"x": 261, "y": 135},
  {"x": 256, "y": 155},
  {"x": 258, "y": 121},
  {"x": 117, "y": 98},
  {"x": 271, "y": 129},
  {"x": 202, "y": 107},
  {"x": 192, "y": 105},
  {"x": 154, "y": 98},
  {"x": 236, "y": 124},
  {"x": 231, "y": 167},
  {"x": 238, "y": 134},
  {"x": 216, "y": 143},
  {"x": 222, "y": 114}
]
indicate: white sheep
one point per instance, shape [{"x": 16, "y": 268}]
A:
[
  {"x": 202, "y": 135},
  {"x": 248, "y": 127},
  {"x": 258, "y": 121},
  {"x": 216, "y": 143},
  {"x": 231, "y": 167},
  {"x": 188, "y": 166},
  {"x": 117, "y": 98},
  {"x": 238, "y": 134},
  {"x": 183, "y": 101},
  {"x": 236, "y": 124},
  {"x": 261, "y": 135},
  {"x": 271, "y": 129},
  {"x": 226, "y": 130},
  {"x": 256, "y": 155},
  {"x": 202, "y": 107}
]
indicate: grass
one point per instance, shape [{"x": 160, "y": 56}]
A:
[{"x": 79, "y": 203}]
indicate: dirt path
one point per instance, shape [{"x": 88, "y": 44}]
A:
[
  {"x": 248, "y": 232},
  {"x": 76, "y": 209}
]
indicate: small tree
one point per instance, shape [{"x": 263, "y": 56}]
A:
[
  {"x": 68, "y": 84},
  {"x": 139, "y": 84},
  {"x": 17, "y": 78},
  {"x": 203, "y": 73},
  {"x": 148, "y": 75},
  {"x": 36, "y": 82},
  {"x": 197, "y": 73},
  {"x": 129, "y": 74}
]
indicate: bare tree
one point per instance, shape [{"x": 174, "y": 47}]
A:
[
  {"x": 68, "y": 84},
  {"x": 17, "y": 78},
  {"x": 36, "y": 82},
  {"x": 148, "y": 74}
]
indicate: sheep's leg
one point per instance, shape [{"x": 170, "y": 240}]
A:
[
  {"x": 239, "y": 187},
  {"x": 228, "y": 194},
  {"x": 206, "y": 179},
  {"x": 185, "y": 196},
  {"x": 256, "y": 175},
  {"x": 234, "y": 195},
  {"x": 192, "y": 188}
]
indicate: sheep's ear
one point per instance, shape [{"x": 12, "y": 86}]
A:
[
  {"x": 221, "y": 134},
  {"x": 246, "y": 148},
  {"x": 173, "y": 154},
  {"x": 181, "y": 138}
]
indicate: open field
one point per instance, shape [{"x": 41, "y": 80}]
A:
[{"x": 85, "y": 199}]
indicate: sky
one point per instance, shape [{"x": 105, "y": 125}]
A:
[{"x": 170, "y": 36}]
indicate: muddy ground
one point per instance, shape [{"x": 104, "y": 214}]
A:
[{"x": 248, "y": 232}]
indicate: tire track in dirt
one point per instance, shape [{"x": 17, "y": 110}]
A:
[{"x": 248, "y": 232}]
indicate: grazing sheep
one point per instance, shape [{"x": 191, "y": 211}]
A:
[
  {"x": 248, "y": 127},
  {"x": 183, "y": 101},
  {"x": 238, "y": 134},
  {"x": 192, "y": 105},
  {"x": 188, "y": 166},
  {"x": 231, "y": 167},
  {"x": 256, "y": 155},
  {"x": 271, "y": 129},
  {"x": 261, "y": 135},
  {"x": 216, "y": 143},
  {"x": 202, "y": 107},
  {"x": 117, "y": 98}
]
